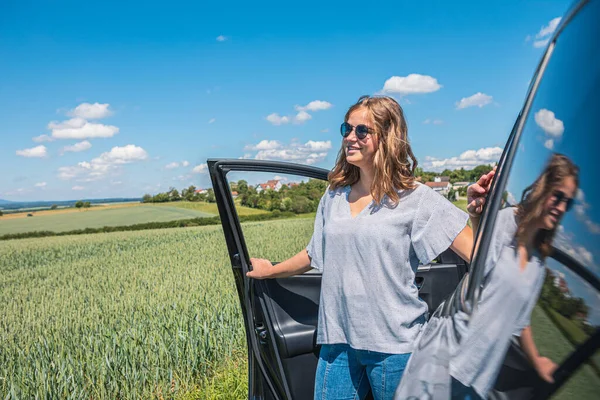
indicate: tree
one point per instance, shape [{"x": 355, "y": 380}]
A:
[
  {"x": 79, "y": 204},
  {"x": 242, "y": 187},
  {"x": 210, "y": 196},
  {"x": 87, "y": 204},
  {"x": 53, "y": 207},
  {"x": 174, "y": 194},
  {"x": 147, "y": 198},
  {"x": 189, "y": 193},
  {"x": 1, "y": 213}
]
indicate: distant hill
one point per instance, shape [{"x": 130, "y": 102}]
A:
[{"x": 2, "y": 202}]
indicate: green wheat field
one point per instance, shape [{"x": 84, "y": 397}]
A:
[{"x": 149, "y": 314}]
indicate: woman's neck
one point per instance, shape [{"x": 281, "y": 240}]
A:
[{"x": 365, "y": 182}]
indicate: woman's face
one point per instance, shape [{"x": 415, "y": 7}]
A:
[
  {"x": 360, "y": 152},
  {"x": 556, "y": 204}
]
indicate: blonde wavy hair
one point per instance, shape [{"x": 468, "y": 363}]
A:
[
  {"x": 534, "y": 198},
  {"x": 394, "y": 161}
]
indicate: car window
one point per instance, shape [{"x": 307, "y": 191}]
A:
[
  {"x": 553, "y": 185},
  {"x": 277, "y": 211}
]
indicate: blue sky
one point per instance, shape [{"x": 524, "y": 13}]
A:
[{"x": 134, "y": 98}]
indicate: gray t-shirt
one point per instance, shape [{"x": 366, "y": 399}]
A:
[
  {"x": 504, "y": 309},
  {"x": 369, "y": 299}
]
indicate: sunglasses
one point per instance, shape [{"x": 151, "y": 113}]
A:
[
  {"x": 560, "y": 197},
  {"x": 361, "y": 131}
]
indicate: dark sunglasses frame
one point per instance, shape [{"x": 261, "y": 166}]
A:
[
  {"x": 361, "y": 131},
  {"x": 560, "y": 197}
]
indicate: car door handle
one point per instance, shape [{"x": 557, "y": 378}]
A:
[{"x": 419, "y": 280}]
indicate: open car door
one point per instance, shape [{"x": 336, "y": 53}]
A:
[{"x": 280, "y": 315}]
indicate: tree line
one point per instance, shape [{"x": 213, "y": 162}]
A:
[{"x": 298, "y": 198}]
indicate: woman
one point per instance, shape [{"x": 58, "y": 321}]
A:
[
  {"x": 373, "y": 226},
  {"x": 514, "y": 274}
]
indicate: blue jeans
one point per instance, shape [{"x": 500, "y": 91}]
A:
[
  {"x": 462, "y": 392},
  {"x": 346, "y": 373}
]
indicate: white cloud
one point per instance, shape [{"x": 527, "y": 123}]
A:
[
  {"x": 221, "y": 38},
  {"x": 200, "y": 169},
  {"x": 541, "y": 43},
  {"x": 549, "y": 144},
  {"x": 115, "y": 183},
  {"x": 212, "y": 120},
  {"x": 280, "y": 178},
  {"x": 77, "y": 188},
  {"x": 77, "y": 147},
  {"x": 102, "y": 165},
  {"x": 264, "y": 145},
  {"x": 545, "y": 33},
  {"x": 40, "y": 184},
  {"x": 477, "y": 100},
  {"x": 43, "y": 138},
  {"x": 318, "y": 145},
  {"x": 90, "y": 111},
  {"x": 37, "y": 151},
  {"x": 467, "y": 160},
  {"x": 548, "y": 29},
  {"x": 433, "y": 121},
  {"x": 549, "y": 123},
  {"x": 276, "y": 119},
  {"x": 565, "y": 242},
  {"x": 302, "y": 117},
  {"x": 581, "y": 208},
  {"x": 185, "y": 163},
  {"x": 411, "y": 84},
  {"x": 311, "y": 152},
  {"x": 79, "y": 128},
  {"x": 315, "y": 105},
  {"x": 324, "y": 130},
  {"x": 172, "y": 165}
]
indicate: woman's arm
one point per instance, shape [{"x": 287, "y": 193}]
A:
[
  {"x": 264, "y": 269},
  {"x": 544, "y": 366},
  {"x": 463, "y": 244}
]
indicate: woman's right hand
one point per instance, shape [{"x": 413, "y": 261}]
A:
[
  {"x": 261, "y": 268},
  {"x": 477, "y": 193}
]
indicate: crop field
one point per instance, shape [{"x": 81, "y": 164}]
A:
[
  {"x": 113, "y": 215},
  {"x": 551, "y": 343},
  {"x": 147, "y": 314},
  {"x": 210, "y": 208},
  {"x": 81, "y": 219},
  {"x": 150, "y": 314}
]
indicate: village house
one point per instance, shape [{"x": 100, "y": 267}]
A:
[
  {"x": 458, "y": 185},
  {"x": 272, "y": 184},
  {"x": 201, "y": 191},
  {"x": 440, "y": 184}
]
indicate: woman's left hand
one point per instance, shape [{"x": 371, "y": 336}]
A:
[{"x": 545, "y": 368}]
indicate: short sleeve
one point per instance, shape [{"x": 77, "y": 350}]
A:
[
  {"x": 315, "y": 246},
  {"x": 437, "y": 222}
]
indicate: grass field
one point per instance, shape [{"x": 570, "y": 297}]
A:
[
  {"x": 553, "y": 344},
  {"x": 112, "y": 215},
  {"x": 150, "y": 314},
  {"x": 146, "y": 314},
  {"x": 81, "y": 219},
  {"x": 210, "y": 208}
]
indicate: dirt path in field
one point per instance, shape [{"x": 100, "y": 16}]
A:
[{"x": 67, "y": 210}]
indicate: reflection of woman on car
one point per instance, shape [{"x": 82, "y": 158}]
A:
[
  {"x": 514, "y": 274},
  {"x": 373, "y": 226}
]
